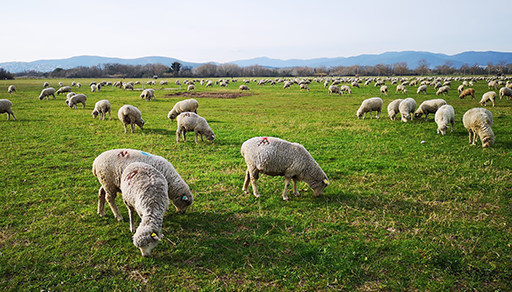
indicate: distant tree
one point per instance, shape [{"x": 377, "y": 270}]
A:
[
  {"x": 175, "y": 68},
  {"x": 400, "y": 68},
  {"x": 5, "y": 75},
  {"x": 423, "y": 67}
]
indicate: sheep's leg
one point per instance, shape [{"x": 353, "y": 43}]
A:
[
  {"x": 131, "y": 213},
  {"x": 286, "y": 183},
  {"x": 101, "y": 201},
  {"x": 245, "y": 188},
  {"x": 378, "y": 115},
  {"x": 124, "y": 127},
  {"x": 109, "y": 116},
  {"x": 254, "y": 181},
  {"x": 184, "y": 134},
  {"x": 371, "y": 116},
  {"x": 113, "y": 206},
  {"x": 83, "y": 105},
  {"x": 178, "y": 132},
  {"x": 197, "y": 133},
  {"x": 133, "y": 127},
  {"x": 426, "y": 117},
  {"x": 295, "y": 188}
]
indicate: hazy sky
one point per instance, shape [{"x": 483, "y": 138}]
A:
[{"x": 229, "y": 30}]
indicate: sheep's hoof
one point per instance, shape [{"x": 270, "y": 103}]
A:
[
  {"x": 285, "y": 198},
  {"x": 257, "y": 195}
]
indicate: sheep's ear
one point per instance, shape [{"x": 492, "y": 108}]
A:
[
  {"x": 185, "y": 198},
  {"x": 326, "y": 182}
]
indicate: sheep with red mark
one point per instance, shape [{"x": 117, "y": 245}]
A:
[
  {"x": 187, "y": 105},
  {"x": 192, "y": 122}
]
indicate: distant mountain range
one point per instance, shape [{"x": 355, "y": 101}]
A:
[{"x": 410, "y": 57}]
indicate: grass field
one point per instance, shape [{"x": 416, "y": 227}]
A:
[{"x": 399, "y": 214}]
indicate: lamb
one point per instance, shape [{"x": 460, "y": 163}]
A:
[
  {"x": 384, "y": 89},
  {"x": 191, "y": 87},
  {"x": 243, "y": 87},
  {"x": 109, "y": 166},
  {"x": 145, "y": 192},
  {"x": 277, "y": 157},
  {"x": 444, "y": 115},
  {"x": 6, "y": 107},
  {"x": 335, "y": 89},
  {"x": 505, "y": 91},
  {"x": 369, "y": 105},
  {"x": 429, "y": 106},
  {"x": 47, "y": 92},
  {"x": 443, "y": 89},
  {"x": 406, "y": 107},
  {"x": 75, "y": 99},
  {"x": 148, "y": 94},
  {"x": 187, "y": 105},
  {"x": 488, "y": 96},
  {"x": 467, "y": 92},
  {"x": 101, "y": 108},
  {"x": 422, "y": 88},
  {"x": 188, "y": 122},
  {"x": 128, "y": 114},
  {"x": 64, "y": 89},
  {"x": 478, "y": 122},
  {"x": 11, "y": 89},
  {"x": 393, "y": 108}
]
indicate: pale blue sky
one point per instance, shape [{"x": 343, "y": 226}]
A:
[{"x": 229, "y": 30}]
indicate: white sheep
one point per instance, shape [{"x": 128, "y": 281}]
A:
[
  {"x": 6, "y": 107},
  {"x": 277, "y": 157},
  {"x": 488, "y": 96},
  {"x": 78, "y": 84},
  {"x": 443, "y": 89},
  {"x": 445, "y": 115},
  {"x": 145, "y": 192},
  {"x": 64, "y": 89},
  {"x": 101, "y": 108},
  {"x": 394, "y": 108},
  {"x": 47, "y": 92},
  {"x": 192, "y": 122},
  {"x": 148, "y": 94},
  {"x": 334, "y": 89},
  {"x": 191, "y": 87},
  {"x": 243, "y": 87},
  {"x": 163, "y": 82},
  {"x": 304, "y": 86},
  {"x": 11, "y": 89},
  {"x": 346, "y": 88},
  {"x": 505, "y": 91},
  {"x": 422, "y": 88},
  {"x": 94, "y": 88},
  {"x": 187, "y": 105},
  {"x": 401, "y": 88},
  {"x": 60, "y": 83},
  {"x": 460, "y": 88},
  {"x": 128, "y": 114},
  {"x": 429, "y": 106},
  {"x": 46, "y": 84},
  {"x": 75, "y": 99},
  {"x": 369, "y": 105},
  {"x": 384, "y": 89},
  {"x": 407, "y": 107},
  {"x": 127, "y": 86},
  {"x": 478, "y": 122},
  {"x": 109, "y": 166}
]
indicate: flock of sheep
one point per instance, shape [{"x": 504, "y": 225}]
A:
[{"x": 149, "y": 183}]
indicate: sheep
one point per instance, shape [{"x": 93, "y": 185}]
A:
[
  {"x": 6, "y": 107},
  {"x": 188, "y": 122},
  {"x": 277, "y": 157},
  {"x": 101, "y": 108},
  {"x": 478, "y": 122},
  {"x": 304, "y": 87},
  {"x": 209, "y": 83},
  {"x": 243, "y": 87},
  {"x": 493, "y": 84},
  {"x": 335, "y": 89},
  {"x": 128, "y": 114},
  {"x": 488, "y": 96},
  {"x": 47, "y": 92},
  {"x": 422, "y": 88},
  {"x": 346, "y": 88},
  {"x": 505, "y": 91},
  {"x": 145, "y": 192},
  {"x": 148, "y": 94},
  {"x": 191, "y": 87},
  {"x": 369, "y": 105},
  {"x": 60, "y": 83},
  {"x": 393, "y": 108},
  {"x": 64, "y": 89},
  {"x": 78, "y": 84},
  {"x": 187, "y": 105},
  {"x": 109, "y": 166},
  {"x": 406, "y": 107},
  {"x": 384, "y": 89},
  {"x": 401, "y": 88},
  {"x": 287, "y": 84},
  {"x": 444, "y": 115},
  {"x": 127, "y": 86},
  {"x": 94, "y": 87},
  {"x": 466, "y": 92},
  {"x": 460, "y": 89},
  {"x": 443, "y": 89},
  {"x": 429, "y": 106},
  {"x": 11, "y": 89},
  {"x": 46, "y": 84},
  {"x": 163, "y": 82},
  {"x": 75, "y": 99}
]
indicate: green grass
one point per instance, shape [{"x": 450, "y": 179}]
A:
[{"x": 399, "y": 214}]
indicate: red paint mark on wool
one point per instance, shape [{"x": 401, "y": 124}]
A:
[
  {"x": 131, "y": 175},
  {"x": 122, "y": 154},
  {"x": 264, "y": 141}
]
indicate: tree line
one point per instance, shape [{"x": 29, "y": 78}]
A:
[{"x": 176, "y": 69}]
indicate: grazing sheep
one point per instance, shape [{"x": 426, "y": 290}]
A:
[
  {"x": 488, "y": 96},
  {"x": 101, "y": 108},
  {"x": 191, "y": 87},
  {"x": 127, "y": 86},
  {"x": 305, "y": 87},
  {"x": 46, "y": 84},
  {"x": 148, "y": 94},
  {"x": 444, "y": 115},
  {"x": 11, "y": 89},
  {"x": 369, "y": 105},
  {"x": 287, "y": 84},
  {"x": 394, "y": 108},
  {"x": 401, "y": 88},
  {"x": 493, "y": 84},
  {"x": 505, "y": 91},
  {"x": 466, "y": 92},
  {"x": 47, "y": 92},
  {"x": 407, "y": 107},
  {"x": 6, "y": 107},
  {"x": 478, "y": 122},
  {"x": 94, "y": 87},
  {"x": 335, "y": 89},
  {"x": 145, "y": 192},
  {"x": 60, "y": 84},
  {"x": 346, "y": 88},
  {"x": 163, "y": 82},
  {"x": 64, "y": 89},
  {"x": 443, "y": 89},
  {"x": 277, "y": 157},
  {"x": 128, "y": 114},
  {"x": 427, "y": 107},
  {"x": 75, "y": 99},
  {"x": 187, "y": 105},
  {"x": 384, "y": 89},
  {"x": 188, "y": 122},
  {"x": 109, "y": 166},
  {"x": 243, "y": 87},
  {"x": 460, "y": 89},
  {"x": 78, "y": 84},
  {"x": 422, "y": 88}
]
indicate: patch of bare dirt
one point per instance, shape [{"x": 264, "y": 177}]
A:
[{"x": 208, "y": 94}]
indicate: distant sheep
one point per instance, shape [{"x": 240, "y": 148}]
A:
[
  {"x": 369, "y": 105},
  {"x": 407, "y": 107},
  {"x": 191, "y": 87},
  {"x": 304, "y": 87},
  {"x": 422, "y": 88},
  {"x": 334, "y": 89},
  {"x": 46, "y": 84},
  {"x": 384, "y": 89},
  {"x": 127, "y": 86},
  {"x": 467, "y": 92},
  {"x": 75, "y": 99},
  {"x": 192, "y": 122},
  {"x": 493, "y": 84},
  {"x": 187, "y": 105},
  {"x": 45, "y": 93},
  {"x": 209, "y": 83},
  {"x": 478, "y": 122},
  {"x": 346, "y": 88},
  {"x": 277, "y": 157},
  {"x": 460, "y": 89},
  {"x": 488, "y": 96},
  {"x": 163, "y": 82},
  {"x": 394, "y": 108},
  {"x": 128, "y": 114},
  {"x": 94, "y": 88},
  {"x": 443, "y": 89},
  {"x": 401, "y": 88},
  {"x": 148, "y": 94},
  {"x": 11, "y": 89},
  {"x": 6, "y": 107},
  {"x": 243, "y": 87},
  {"x": 445, "y": 115},
  {"x": 101, "y": 108},
  {"x": 429, "y": 106},
  {"x": 64, "y": 89},
  {"x": 505, "y": 91}
]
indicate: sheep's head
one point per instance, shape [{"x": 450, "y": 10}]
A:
[
  {"x": 183, "y": 200},
  {"x": 94, "y": 112},
  {"x": 146, "y": 239}
]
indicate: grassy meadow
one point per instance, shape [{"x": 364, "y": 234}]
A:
[{"x": 399, "y": 214}]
